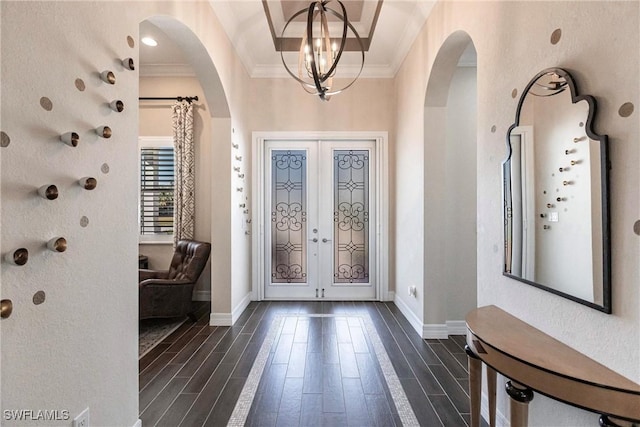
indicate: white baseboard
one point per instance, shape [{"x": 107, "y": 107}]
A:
[
  {"x": 456, "y": 327},
  {"x": 138, "y": 423},
  {"x": 228, "y": 319},
  {"x": 244, "y": 303},
  {"x": 408, "y": 313},
  {"x": 391, "y": 296},
  {"x": 220, "y": 319},
  {"x": 202, "y": 296},
  {"x": 501, "y": 420},
  {"x": 442, "y": 331},
  {"x": 434, "y": 331}
]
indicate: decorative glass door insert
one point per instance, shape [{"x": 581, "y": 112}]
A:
[
  {"x": 319, "y": 207},
  {"x": 351, "y": 216},
  {"x": 288, "y": 216}
]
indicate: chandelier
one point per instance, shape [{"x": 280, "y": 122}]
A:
[{"x": 320, "y": 53}]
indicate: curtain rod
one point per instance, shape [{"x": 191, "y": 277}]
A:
[{"x": 177, "y": 98}]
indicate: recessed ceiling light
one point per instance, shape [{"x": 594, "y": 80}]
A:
[{"x": 149, "y": 41}]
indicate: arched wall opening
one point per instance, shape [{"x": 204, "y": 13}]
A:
[
  {"x": 450, "y": 115},
  {"x": 212, "y": 131}
]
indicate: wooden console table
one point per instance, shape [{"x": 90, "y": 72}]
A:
[{"x": 534, "y": 361}]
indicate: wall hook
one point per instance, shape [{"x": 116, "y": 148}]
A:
[
  {"x": 70, "y": 138},
  {"x": 108, "y": 77},
  {"x": 49, "y": 192}
]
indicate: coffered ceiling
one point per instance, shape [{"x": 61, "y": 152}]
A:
[{"x": 387, "y": 29}]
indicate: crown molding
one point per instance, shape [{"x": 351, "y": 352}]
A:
[{"x": 166, "y": 70}]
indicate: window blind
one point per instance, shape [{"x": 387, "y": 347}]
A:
[{"x": 156, "y": 190}]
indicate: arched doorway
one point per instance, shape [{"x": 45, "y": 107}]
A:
[
  {"x": 212, "y": 132},
  {"x": 450, "y": 188}
]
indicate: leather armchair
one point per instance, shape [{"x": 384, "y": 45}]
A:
[{"x": 168, "y": 293}]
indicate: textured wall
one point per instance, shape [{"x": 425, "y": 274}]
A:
[
  {"x": 599, "y": 44},
  {"x": 79, "y": 348}
]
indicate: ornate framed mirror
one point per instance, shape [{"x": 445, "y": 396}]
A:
[{"x": 556, "y": 193}]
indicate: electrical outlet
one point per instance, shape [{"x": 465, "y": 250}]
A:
[{"x": 82, "y": 420}]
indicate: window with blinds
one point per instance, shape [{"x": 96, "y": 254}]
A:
[{"x": 156, "y": 190}]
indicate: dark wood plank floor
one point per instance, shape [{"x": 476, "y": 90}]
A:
[{"x": 194, "y": 377}]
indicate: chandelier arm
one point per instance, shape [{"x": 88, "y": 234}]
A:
[
  {"x": 314, "y": 70},
  {"x": 286, "y": 67},
  {"x": 361, "y": 64},
  {"x": 343, "y": 40}
]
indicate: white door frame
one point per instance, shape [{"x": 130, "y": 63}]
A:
[{"x": 382, "y": 206}]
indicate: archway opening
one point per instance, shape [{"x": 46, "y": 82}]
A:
[
  {"x": 450, "y": 131},
  {"x": 190, "y": 72}
]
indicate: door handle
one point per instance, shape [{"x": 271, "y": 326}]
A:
[{"x": 325, "y": 240}]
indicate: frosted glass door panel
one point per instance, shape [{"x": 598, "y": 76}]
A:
[
  {"x": 351, "y": 216},
  {"x": 288, "y": 216}
]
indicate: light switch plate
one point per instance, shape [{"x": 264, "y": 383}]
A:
[
  {"x": 553, "y": 216},
  {"x": 82, "y": 420}
]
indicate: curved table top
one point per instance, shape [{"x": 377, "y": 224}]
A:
[{"x": 519, "y": 340}]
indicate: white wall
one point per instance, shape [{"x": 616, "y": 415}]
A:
[
  {"x": 79, "y": 348},
  {"x": 458, "y": 223},
  {"x": 156, "y": 120},
  {"x": 512, "y": 41}
]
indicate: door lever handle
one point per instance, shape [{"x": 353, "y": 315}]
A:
[{"x": 325, "y": 240}]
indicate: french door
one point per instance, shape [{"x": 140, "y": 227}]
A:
[{"x": 319, "y": 219}]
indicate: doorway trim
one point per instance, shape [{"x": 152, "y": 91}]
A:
[{"x": 258, "y": 265}]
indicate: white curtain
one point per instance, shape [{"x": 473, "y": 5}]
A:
[{"x": 184, "y": 211}]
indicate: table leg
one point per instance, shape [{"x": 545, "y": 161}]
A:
[
  {"x": 491, "y": 390},
  {"x": 475, "y": 385},
  {"x": 520, "y": 397}
]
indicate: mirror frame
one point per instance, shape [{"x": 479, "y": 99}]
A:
[{"x": 604, "y": 166}]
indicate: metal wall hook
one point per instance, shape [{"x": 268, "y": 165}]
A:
[
  {"x": 49, "y": 192},
  {"x": 18, "y": 257},
  {"x": 128, "y": 64},
  {"x": 57, "y": 244},
  {"x": 6, "y": 308},
  {"x": 70, "y": 138},
  {"x": 88, "y": 183},
  {"x": 117, "y": 106},
  {"x": 108, "y": 77},
  {"x": 104, "y": 132}
]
